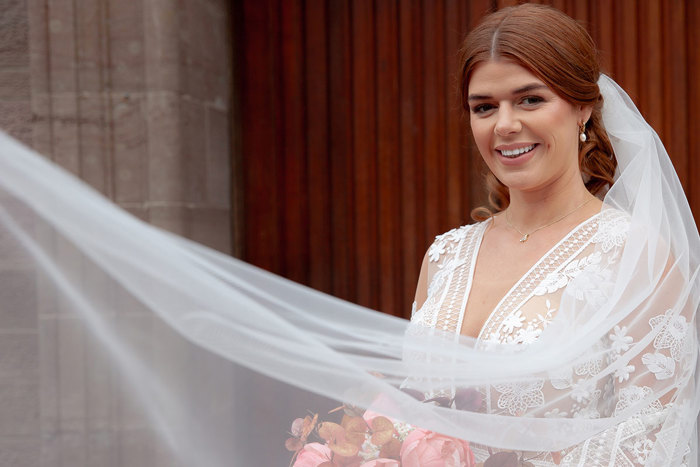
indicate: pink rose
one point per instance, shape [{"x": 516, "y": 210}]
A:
[
  {"x": 381, "y": 463},
  {"x": 312, "y": 455},
  {"x": 423, "y": 448}
]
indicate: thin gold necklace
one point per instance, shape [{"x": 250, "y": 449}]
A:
[{"x": 525, "y": 236}]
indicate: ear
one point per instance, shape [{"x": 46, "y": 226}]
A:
[{"x": 585, "y": 112}]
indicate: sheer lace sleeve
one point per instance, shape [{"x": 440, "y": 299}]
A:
[
  {"x": 641, "y": 377},
  {"x": 649, "y": 357}
]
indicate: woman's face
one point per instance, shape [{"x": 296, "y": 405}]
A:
[{"x": 527, "y": 134}]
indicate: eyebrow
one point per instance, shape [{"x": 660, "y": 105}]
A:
[{"x": 524, "y": 89}]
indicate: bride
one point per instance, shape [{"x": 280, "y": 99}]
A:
[
  {"x": 530, "y": 86},
  {"x": 537, "y": 123}
]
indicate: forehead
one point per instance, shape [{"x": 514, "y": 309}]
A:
[{"x": 500, "y": 75}]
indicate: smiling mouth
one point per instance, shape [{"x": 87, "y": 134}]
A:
[{"x": 513, "y": 153}]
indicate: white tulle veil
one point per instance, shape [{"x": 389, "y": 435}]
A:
[{"x": 155, "y": 350}]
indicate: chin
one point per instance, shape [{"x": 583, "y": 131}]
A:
[{"x": 518, "y": 183}]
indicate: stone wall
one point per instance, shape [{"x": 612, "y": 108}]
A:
[
  {"x": 15, "y": 93},
  {"x": 133, "y": 96}
]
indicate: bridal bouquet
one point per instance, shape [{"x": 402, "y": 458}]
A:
[
  {"x": 372, "y": 440},
  {"x": 368, "y": 439}
]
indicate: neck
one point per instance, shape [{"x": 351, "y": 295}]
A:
[{"x": 529, "y": 210}]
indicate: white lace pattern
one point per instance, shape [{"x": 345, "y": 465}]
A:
[{"x": 580, "y": 265}]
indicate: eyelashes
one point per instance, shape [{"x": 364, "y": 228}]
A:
[
  {"x": 482, "y": 108},
  {"x": 532, "y": 100},
  {"x": 527, "y": 102}
]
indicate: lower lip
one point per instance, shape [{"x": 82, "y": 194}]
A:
[{"x": 520, "y": 159}]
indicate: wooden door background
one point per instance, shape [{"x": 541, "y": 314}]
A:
[{"x": 352, "y": 150}]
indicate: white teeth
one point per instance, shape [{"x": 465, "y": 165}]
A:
[{"x": 516, "y": 152}]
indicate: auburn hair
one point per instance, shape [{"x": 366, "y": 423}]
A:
[{"x": 560, "y": 52}]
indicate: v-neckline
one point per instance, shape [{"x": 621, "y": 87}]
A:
[{"x": 472, "y": 270}]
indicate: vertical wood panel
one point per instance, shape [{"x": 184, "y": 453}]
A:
[
  {"x": 316, "y": 41},
  {"x": 259, "y": 77},
  {"x": 580, "y": 11},
  {"x": 456, "y": 163},
  {"x": 412, "y": 237},
  {"x": 692, "y": 104},
  {"x": 675, "y": 88},
  {"x": 295, "y": 237},
  {"x": 560, "y": 4},
  {"x": 625, "y": 53},
  {"x": 477, "y": 194},
  {"x": 341, "y": 150},
  {"x": 365, "y": 153},
  {"x": 388, "y": 162},
  {"x": 603, "y": 28},
  {"x": 434, "y": 124},
  {"x": 505, "y": 3},
  {"x": 356, "y": 149},
  {"x": 650, "y": 67}
]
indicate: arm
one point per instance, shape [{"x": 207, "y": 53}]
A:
[{"x": 422, "y": 287}]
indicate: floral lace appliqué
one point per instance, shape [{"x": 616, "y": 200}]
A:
[
  {"x": 619, "y": 340},
  {"x": 561, "y": 279},
  {"x": 445, "y": 243},
  {"x": 612, "y": 233},
  {"x": 672, "y": 334},
  {"x": 513, "y": 321},
  {"x": 662, "y": 366},
  {"x": 631, "y": 395},
  {"x": 518, "y": 397},
  {"x": 641, "y": 450}
]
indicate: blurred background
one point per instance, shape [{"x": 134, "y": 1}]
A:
[{"x": 322, "y": 140}]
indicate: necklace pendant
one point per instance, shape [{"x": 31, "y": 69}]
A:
[{"x": 524, "y": 238}]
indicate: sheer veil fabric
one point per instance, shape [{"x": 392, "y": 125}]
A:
[{"x": 170, "y": 353}]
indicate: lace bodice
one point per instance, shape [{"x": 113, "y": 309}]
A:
[
  {"x": 529, "y": 306},
  {"x": 593, "y": 247}
]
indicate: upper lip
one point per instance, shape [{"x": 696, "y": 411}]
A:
[{"x": 512, "y": 146}]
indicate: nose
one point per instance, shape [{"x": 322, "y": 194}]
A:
[{"x": 507, "y": 122}]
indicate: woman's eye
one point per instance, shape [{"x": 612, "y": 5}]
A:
[
  {"x": 482, "y": 108},
  {"x": 531, "y": 100}
]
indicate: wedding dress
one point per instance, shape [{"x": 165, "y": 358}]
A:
[{"x": 593, "y": 248}]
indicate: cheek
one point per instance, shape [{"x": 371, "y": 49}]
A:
[
  {"x": 566, "y": 124},
  {"x": 567, "y": 136},
  {"x": 481, "y": 134},
  {"x": 560, "y": 132}
]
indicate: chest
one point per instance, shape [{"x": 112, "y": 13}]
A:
[
  {"x": 499, "y": 265},
  {"x": 505, "y": 294}
]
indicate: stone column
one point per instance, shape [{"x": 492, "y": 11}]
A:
[{"x": 132, "y": 96}]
